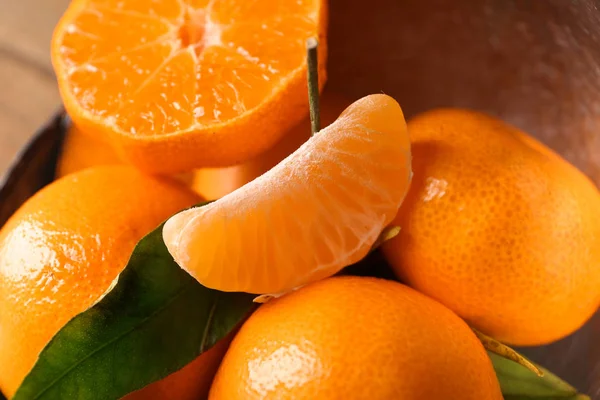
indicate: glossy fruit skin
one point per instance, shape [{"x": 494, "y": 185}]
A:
[
  {"x": 498, "y": 228},
  {"x": 355, "y": 338},
  {"x": 62, "y": 249}
]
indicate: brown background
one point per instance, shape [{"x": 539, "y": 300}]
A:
[{"x": 28, "y": 93}]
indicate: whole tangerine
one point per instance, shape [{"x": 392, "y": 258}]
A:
[
  {"x": 498, "y": 228},
  {"x": 61, "y": 251},
  {"x": 355, "y": 338}
]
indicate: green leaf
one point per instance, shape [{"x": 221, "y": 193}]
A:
[
  {"x": 519, "y": 383},
  {"x": 156, "y": 320}
]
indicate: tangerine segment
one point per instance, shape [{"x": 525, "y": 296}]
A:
[
  {"x": 185, "y": 84},
  {"x": 314, "y": 213}
]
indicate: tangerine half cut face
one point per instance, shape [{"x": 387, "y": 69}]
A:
[{"x": 176, "y": 85}]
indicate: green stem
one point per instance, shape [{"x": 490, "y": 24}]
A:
[{"x": 312, "y": 62}]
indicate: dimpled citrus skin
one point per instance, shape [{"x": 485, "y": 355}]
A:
[
  {"x": 498, "y": 228},
  {"x": 355, "y": 338},
  {"x": 61, "y": 250}
]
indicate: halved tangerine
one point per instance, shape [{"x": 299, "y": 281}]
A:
[
  {"x": 180, "y": 84},
  {"x": 317, "y": 211}
]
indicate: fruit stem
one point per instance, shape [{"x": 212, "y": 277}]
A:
[
  {"x": 312, "y": 61},
  {"x": 504, "y": 351}
]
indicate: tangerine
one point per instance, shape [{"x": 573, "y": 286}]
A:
[
  {"x": 318, "y": 211},
  {"x": 62, "y": 250},
  {"x": 498, "y": 228},
  {"x": 355, "y": 338}
]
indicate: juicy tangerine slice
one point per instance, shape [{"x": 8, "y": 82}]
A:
[
  {"x": 317, "y": 211},
  {"x": 179, "y": 84}
]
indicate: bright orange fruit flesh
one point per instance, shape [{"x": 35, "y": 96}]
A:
[
  {"x": 316, "y": 212},
  {"x": 64, "y": 247},
  {"x": 498, "y": 228},
  {"x": 180, "y": 84},
  {"x": 355, "y": 338}
]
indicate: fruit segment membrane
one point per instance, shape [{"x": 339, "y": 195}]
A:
[{"x": 319, "y": 210}]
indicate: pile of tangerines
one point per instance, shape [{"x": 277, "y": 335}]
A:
[{"x": 176, "y": 102}]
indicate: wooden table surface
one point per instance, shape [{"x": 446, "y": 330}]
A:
[{"x": 28, "y": 92}]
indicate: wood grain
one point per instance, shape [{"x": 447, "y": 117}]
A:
[{"x": 28, "y": 93}]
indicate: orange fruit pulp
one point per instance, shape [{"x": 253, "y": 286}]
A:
[
  {"x": 316, "y": 212},
  {"x": 498, "y": 228},
  {"x": 61, "y": 251},
  {"x": 175, "y": 85},
  {"x": 355, "y": 338}
]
